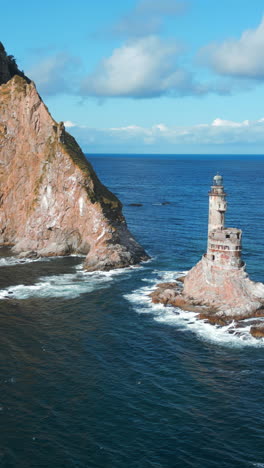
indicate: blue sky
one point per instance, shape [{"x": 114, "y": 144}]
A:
[{"x": 146, "y": 76}]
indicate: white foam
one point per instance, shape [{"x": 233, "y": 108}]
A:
[
  {"x": 11, "y": 261},
  {"x": 110, "y": 273},
  {"x": 68, "y": 286},
  {"x": 229, "y": 335}
]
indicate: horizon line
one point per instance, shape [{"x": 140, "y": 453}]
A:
[{"x": 177, "y": 154}]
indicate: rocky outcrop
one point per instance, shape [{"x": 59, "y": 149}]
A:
[
  {"x": 218, "y": 287},
  {"x": 51, "y": 200},
  {"x": 227, "y": 296},
  {"x": 229, "y": 291}
]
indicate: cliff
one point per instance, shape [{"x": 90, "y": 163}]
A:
[{"x": 51, "y": 200}]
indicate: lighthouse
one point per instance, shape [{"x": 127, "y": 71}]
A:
[
  {"x": 218, "y": 286},
  {"x": 217, "y": 205},
  {"x": 224, "y": 244}
]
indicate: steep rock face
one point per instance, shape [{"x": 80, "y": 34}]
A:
[
  {"x": 51, "y": 201},
  {"x": 231, "y": 292}
]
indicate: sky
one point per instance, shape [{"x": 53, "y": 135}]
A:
[{"x": 146, "y": 76}]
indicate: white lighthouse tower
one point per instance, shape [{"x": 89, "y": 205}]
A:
[
  {"x": 224, "y": 244},
  {"x": 217, "y": 205}
]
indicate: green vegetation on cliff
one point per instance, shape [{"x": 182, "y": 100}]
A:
[
  {"x": 99, "y": 193},
  {"x": 8, "y": 67}
]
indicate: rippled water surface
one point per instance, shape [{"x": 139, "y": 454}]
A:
[{"x": 94, "y": 375}]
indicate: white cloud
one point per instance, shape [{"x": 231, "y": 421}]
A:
[
  {"x": 54, "y": 74},
  {"x": 243, "y": 57},
  {"x": 147, "y": 17},
  {"x": 229, "y": 123},
  {"x": 218, "y": 133},
  {"x": 69, "y": 124},
  {"x": 142, "y": 68}
]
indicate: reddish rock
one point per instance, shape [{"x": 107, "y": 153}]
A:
[
  {"x": 51, "y": 200},
  {"x": 170, "y": 285},
  {"x": 230, "y": 291},
  {"x": 181, "y": 279},
  {"x": 257, "y": 330},
  {"x": 215, "y": 319},
  {"x": 165, "y": 293}
]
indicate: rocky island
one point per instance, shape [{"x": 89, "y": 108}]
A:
[
  {"x": 218, "y": 287},
  {"x": 51, "y": 200}
]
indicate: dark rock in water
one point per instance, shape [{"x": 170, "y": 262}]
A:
[
  {"x": 51, "y": 200},
  {"x": 257, "y": 330},
  {"x": 31, "y": 254},
  {"x": 181, "y": 279},
  {"x": 214, "y": 319},
  {"x": 171, "y": 294}
]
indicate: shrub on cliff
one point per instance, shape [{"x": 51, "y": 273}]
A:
[{"x": 8, "y": 66}]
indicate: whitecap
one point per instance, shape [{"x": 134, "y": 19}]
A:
[
  {"x": 68, "y": 285},
  {"x": 231, "y": 335},
  {"x": 65, "y": 285},
  {"x": 11, "y": 261},
  {"x": 109, "y": 273},
  {"x": 14, "y": 261}
]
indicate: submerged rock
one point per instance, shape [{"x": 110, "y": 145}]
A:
[{"x": 51, "y": 200}]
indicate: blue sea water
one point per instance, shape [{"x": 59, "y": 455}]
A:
[{"x": 95, "y": 376}]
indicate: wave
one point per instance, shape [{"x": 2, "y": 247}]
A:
[
  {"x": 68, "y": 286},
  {"x": 230, "y": 335},
  {"x": 14, "y": 261}
]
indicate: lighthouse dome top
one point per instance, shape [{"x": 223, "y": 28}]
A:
[{"x": 218, "y": 179}]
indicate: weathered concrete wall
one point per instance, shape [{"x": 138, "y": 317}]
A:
[{"x": 224, "y": 247}]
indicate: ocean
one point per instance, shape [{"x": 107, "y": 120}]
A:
[{"x": 95, "y": 376}]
